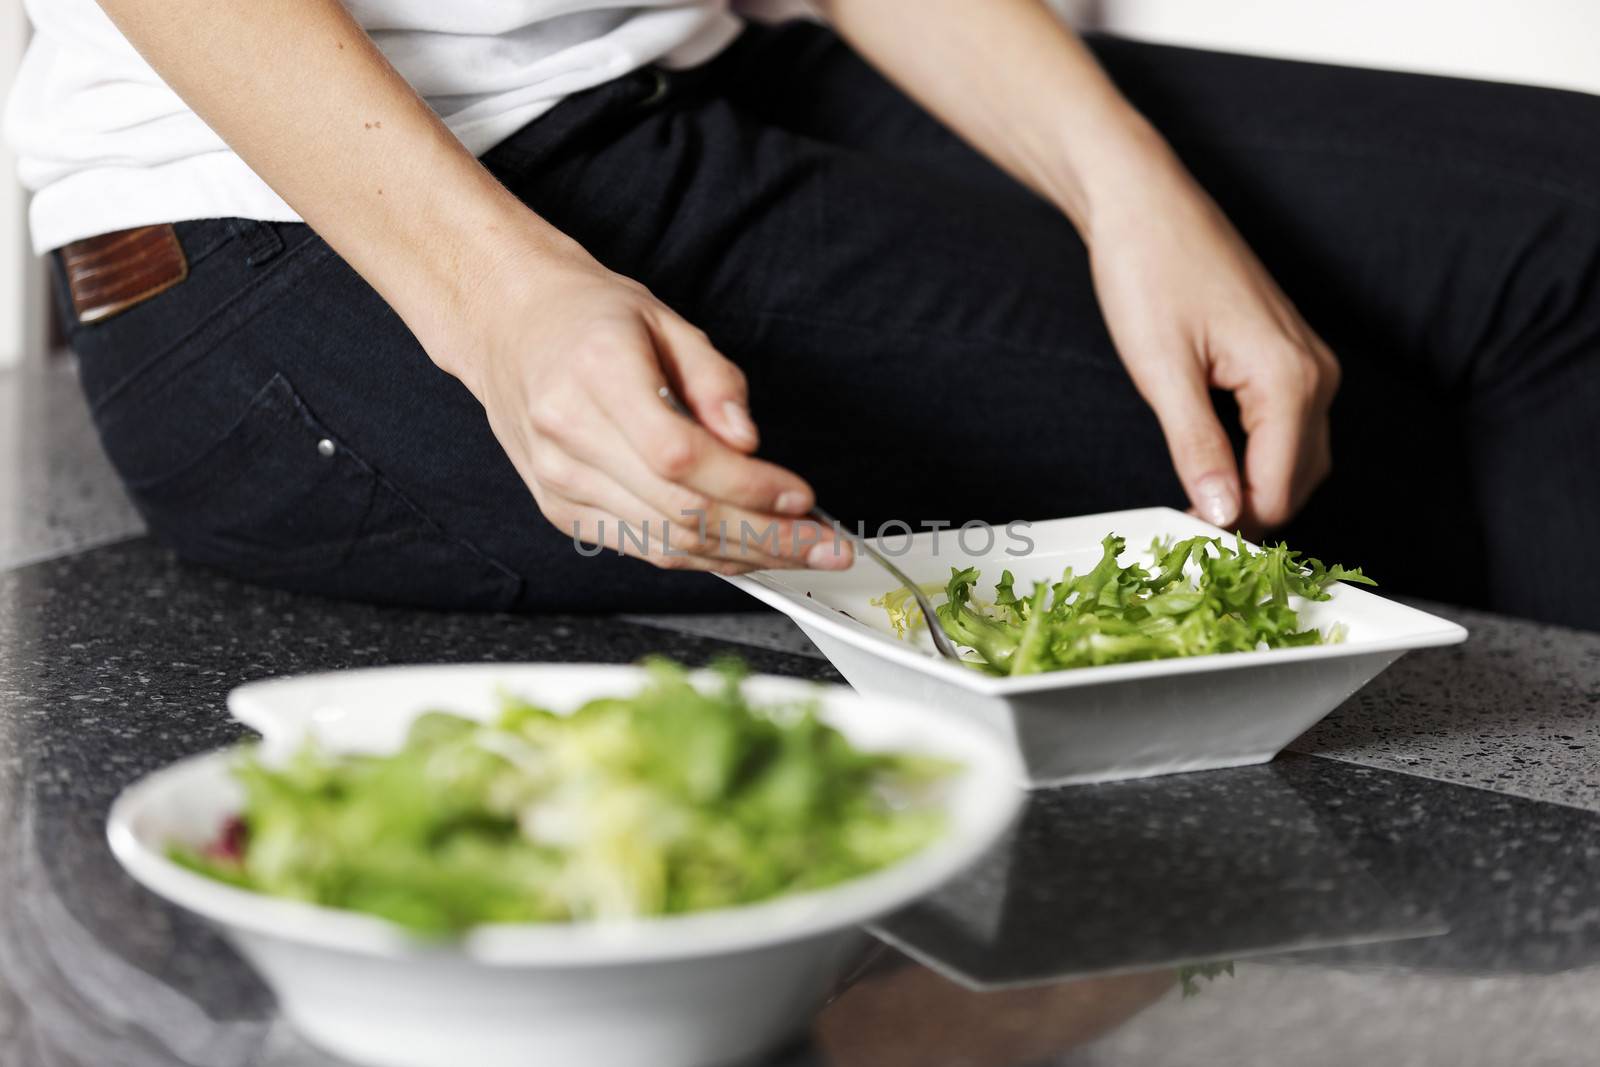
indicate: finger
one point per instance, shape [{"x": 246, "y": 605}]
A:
[
  {"x": 599, "y": 529},
  {"x": 764, "y": 544},
  {"x": 594, "y": 525},
  {"x": 613, "y": 460},
  {"x": 625, "y": 388},
  {"x": 790, "y": 541},
  {"x": 646, "y": 526},
  {"x": 1284, "y": 411},
  {"x": 740, "y": 533},
  {"x": 1330, "y": 374},
  {"x": 1274, "y": 458},
  {"x": 709, "y": 384},
  {"x": 1266, "y": 507},
  {"x": 1200, "y": 450}
]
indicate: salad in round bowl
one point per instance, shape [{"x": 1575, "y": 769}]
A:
[{"x": 515, "y": 864}]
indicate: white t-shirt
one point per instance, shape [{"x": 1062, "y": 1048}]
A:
[{"x": 105, "y": 145}]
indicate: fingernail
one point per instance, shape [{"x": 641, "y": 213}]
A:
[
  {"x": 739, "y": 424},
  {"x": 828, "y": 556},
  {"x": 792, "y": 502},
  {"x": 1218, "y": 500}
]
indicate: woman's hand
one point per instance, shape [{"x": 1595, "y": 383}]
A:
[
  {"x": 565, "y": 356},
  {"x": 569, "y": 365},
  {"x": 1188, "y": 304},
  {"x": 1191, "y": 309}
]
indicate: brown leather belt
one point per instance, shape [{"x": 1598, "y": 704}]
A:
[{"x": 113, "y": 272}]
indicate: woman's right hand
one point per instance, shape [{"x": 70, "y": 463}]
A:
[
  {"x": 570, "y": 368},
  {"x": 566, "y": 357}
]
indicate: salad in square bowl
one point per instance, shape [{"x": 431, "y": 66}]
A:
[
  {"x": 509, "y": 864},
  {"x": 1109, "y": 646}
]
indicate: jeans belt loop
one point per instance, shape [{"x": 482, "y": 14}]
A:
[{"x": 261, "y": 242}]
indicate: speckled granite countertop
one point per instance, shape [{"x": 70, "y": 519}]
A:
[{"x": 1420, "y": 885}]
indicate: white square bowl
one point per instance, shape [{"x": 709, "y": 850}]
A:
[{"x": 1098, "y": 724}]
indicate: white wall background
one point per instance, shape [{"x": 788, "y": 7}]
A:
[
  {"x": 1539, "y": 42},
  {"x": 22, "y": 319}
]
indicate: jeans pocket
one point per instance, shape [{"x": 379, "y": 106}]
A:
[{"x": 278, "y": 499}]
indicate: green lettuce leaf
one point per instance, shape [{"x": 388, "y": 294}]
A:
[
  {"x": 1199, "y": 597},
  {"x": 676, "y": 799}
]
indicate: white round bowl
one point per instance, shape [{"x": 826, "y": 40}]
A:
[{"x": 679, "y": 991}]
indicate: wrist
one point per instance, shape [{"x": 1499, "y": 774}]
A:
[
  {"x": 1104, "y": 154},
  {"x": 486, "y": 257}
]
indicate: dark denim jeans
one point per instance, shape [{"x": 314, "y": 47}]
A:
[{"x": 893, "y": 297}]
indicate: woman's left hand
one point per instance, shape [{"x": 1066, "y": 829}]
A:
[
  {"x": 1189, "y": 306},
  {"x": 1191, "y": 309}
]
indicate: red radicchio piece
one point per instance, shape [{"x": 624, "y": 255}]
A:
[{"x": 230, "y": 842}]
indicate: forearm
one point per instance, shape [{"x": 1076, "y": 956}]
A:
[
  {"x": 300, "y": 92},
  {"x": 1015, "y": 82}
]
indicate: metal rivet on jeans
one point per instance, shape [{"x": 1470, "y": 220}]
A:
[
  {"x": 325, "y": 447},
  {"x": 660, "y": 85}
]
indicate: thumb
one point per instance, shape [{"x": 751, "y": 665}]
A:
[
  {"x": 1200, "y": 449},
  {"x": 711, "y": 386}
]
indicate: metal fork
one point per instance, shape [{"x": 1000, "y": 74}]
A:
[{"x": 941, "y": 640}]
